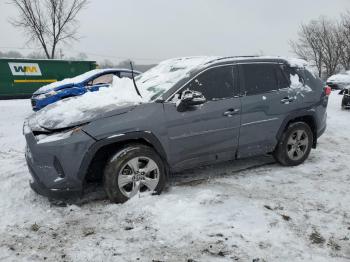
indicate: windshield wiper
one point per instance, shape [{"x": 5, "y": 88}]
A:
[{"x": 133, "y": 80}]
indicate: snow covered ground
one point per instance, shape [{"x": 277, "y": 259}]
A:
[{"x": 249, "y": 210}]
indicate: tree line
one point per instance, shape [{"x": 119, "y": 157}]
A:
[
  {"x": 40, "y": 55},
  {"x": 79, "y": 57},
  {"x": 325, "y": 43}
]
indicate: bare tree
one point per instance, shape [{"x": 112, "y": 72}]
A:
[
  {"x": 48, "y": 22},
  {"x": 319, "y": 42},
  {"x": 330, "y": 46},
  {"x": 308, "y": 47},
  {"x": 344, "y": 40}
]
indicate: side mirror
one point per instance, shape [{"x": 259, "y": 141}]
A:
[
  {"x": 341, "y": 92},
  {"x": 189, "y": 99}
]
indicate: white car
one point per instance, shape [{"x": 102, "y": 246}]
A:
[{"x": 339, "y": 81}]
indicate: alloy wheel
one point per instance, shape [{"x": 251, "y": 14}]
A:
[
  {"x": 139, "y": 174},
  {"x": 297, "y": 144}
]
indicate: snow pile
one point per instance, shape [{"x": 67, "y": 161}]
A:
[
  {"x": 162, "y": 77},
  {"x": 297, "y": 86},
  {"x": 340, "y": 78},
  {"x": 83, "y": 108}
]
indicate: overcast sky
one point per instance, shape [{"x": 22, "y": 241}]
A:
[{"x": 153, "y": 30}]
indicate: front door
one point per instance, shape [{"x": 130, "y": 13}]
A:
[{"x": 209, "y": 132}]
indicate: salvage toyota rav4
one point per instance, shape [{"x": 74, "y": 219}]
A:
[{"x": 193, "y": 111}]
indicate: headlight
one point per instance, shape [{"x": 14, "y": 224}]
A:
[{"x": 58, "y": 136}]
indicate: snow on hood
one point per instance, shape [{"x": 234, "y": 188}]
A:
[
  {"x": 340, "y": 78},
  {"x": 69, "y": 81},
  {"x": 120, "y": 97}
]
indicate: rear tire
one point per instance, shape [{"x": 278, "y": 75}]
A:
[
  {"x": 295, "y": 145},
  {"x": 134, "y": 168}
]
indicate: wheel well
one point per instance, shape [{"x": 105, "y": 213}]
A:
[
  {"x": 96, "y": 167},
  {"x": 311, "y": 123}
]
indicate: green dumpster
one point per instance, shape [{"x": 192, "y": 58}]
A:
[{"x": 19, "y": 78}]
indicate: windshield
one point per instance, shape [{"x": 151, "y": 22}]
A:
[{"x": 159, "y": 79}]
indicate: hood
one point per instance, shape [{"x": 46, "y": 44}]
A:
[
  {"x": 67, "y": 83},
  {"x": 50, "y": 121}
]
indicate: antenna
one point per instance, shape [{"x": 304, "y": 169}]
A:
[{"x": 133, "y": 79}]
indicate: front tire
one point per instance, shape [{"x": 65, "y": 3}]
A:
[
  {"x": 133, "y": 169},
  {"x": 295, "y": 145}
]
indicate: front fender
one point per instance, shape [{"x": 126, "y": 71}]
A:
[{"x": 147, "y": 136}]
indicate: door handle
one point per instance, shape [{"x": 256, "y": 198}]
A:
[
  {"x": 231, "y": 112},
  {"x": 287, "y": 100}
]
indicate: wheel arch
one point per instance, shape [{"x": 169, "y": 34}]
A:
[
  {"x": 307, "y": 116},
  {"x": 92, "y": 166}
]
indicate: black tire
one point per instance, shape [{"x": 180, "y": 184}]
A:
[
  {"x": 284, "y": 150},
  {"x": 119, "y": 160}
]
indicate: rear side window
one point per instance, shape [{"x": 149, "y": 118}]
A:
[
  {"x": 215, "y": 83},
  {"x": 259, "y": 78}
]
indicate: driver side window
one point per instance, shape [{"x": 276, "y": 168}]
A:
[{"x": 215, "y": 83}]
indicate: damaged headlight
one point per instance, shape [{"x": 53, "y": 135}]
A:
[{"x": 46, "y": 138}]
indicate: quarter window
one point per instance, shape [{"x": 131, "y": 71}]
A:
[
  {"x": 259, "y": 78},
  {"x": 215, "y": 83}
]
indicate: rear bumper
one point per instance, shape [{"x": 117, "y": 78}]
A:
[{"x": 321, "y": 131}]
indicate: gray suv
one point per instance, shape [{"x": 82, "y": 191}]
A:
[{"x": 195, "y": 111}]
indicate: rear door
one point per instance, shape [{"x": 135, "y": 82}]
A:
[
  {"x": 266, "y": 101},
  {"x": 206, "y": 133}
]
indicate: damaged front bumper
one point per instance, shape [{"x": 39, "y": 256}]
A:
[{"x": 54, "y": 164}]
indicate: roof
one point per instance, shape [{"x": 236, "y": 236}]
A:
[{"x": 294, "y": 62}]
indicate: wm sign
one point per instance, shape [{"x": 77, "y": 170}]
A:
[{"x": 25, "y": 69}]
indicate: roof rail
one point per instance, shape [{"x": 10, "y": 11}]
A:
[{"x": 228, "y": 57}]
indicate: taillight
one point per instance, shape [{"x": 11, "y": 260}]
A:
[{"x": 327, "y": 90}]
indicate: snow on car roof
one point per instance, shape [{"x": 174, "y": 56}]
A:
[
  {"x": 160, "y": 78},
  {"x": 340, "y": 78}
]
